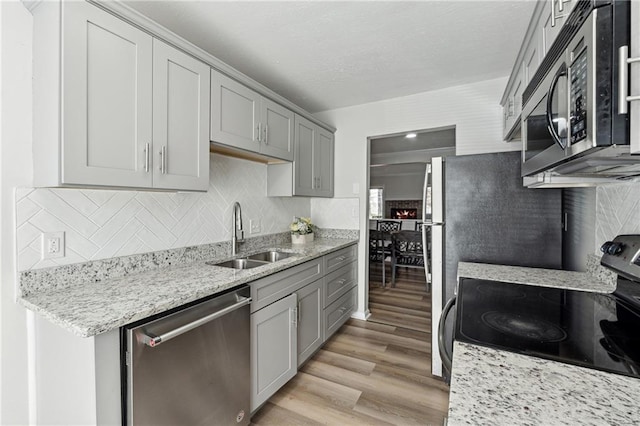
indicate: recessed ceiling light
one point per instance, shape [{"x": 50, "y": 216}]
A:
[{"x": 410, "y": 135}]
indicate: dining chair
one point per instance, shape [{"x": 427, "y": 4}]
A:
[
  {"x": 378, "y": 252},
  {"x": 406, "y": 251},
  {"x": 418, "y": 226},
  {"x": 388, "y": 225}
]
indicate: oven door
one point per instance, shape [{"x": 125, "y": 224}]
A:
[{"x": 545, "y": 124}]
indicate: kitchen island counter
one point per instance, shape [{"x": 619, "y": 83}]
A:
[
  {"x": 91, "y": 308},
  {"x": 497, "y": 387}
]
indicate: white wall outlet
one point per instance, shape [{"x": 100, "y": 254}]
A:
[
  {"x": 255, "y": 226},
  {"x": 52, "y": 245}
]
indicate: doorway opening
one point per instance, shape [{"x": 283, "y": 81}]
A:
[{"x": 398, "y": 203}]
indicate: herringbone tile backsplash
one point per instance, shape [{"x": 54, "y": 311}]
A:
[
  {"x": 617, "y": 211},
  {"x": 100, "y": 224}
]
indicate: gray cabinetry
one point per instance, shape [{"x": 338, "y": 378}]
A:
[
  {"x": 310, "y": 326},
  {"x": 311, "y": 173},
  {"x": 321, "y": 294},
  {"x": 242, "y": 118},
  {"x": 274, "y": 348},
  {"x": 105, "y": 96}
]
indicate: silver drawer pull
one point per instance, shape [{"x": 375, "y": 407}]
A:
[
  {"x": 153, "y": 341},
  {"x": 341, "y": 258},
  {"x": 342, "y": 281},
  {"x": 623, "y": 79}
]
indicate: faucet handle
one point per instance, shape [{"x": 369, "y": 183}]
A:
[{"x": 240, "y": 234}]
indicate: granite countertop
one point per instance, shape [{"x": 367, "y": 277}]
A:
[
  {"x": 497, "y": 387},
  {"x": 92, "y": 308},
  {"x": 595, "y": 280}
]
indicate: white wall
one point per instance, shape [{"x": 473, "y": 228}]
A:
[
  {"x": 335, "y": 213},
  {"x": 15, "y": 170},
  {"x": 473, "y": 109}
]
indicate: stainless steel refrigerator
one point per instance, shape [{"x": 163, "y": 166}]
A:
[{"x": 475, "y": 209}]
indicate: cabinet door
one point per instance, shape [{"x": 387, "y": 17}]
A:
[
  {"x": 303, "y": 175},
  {"x": 106, "y": 107},
  {"x": 274, "y": 349},
  {"x": 550, "y": 29},
  {"x": 323, "y": 163},
  {"x": 180, "y": 120},
  {"x": 310, "y": 329},
  {"x": 235, "y": 113},
  {"x": 277, "y": 130}
]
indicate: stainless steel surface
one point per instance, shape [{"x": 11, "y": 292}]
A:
[
  {"x": 269, "y": 256},
  {"x": 623, "y": 256},
  {"x": 442, "y": 344},
  {"x": 199, "y": 377},
  {"x": 236, "y": 228},
  {"x": 623, "y": 79},
  {"x": 151, "y": 340},
  {"x": 146, "y": 157},
  {"x": 239, "y": 263}
]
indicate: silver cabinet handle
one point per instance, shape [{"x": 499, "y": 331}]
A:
[
  {"x": 161, "y": 167},
  {"x": 444, "y": 355},
  {"x": 623, "y": 79},
  {"x": 340, "y": 258},
  {"x": 166, "y": 160},
  {"x": 147, "y": 157},
  {"x": 342, "y": 281},
  {"x": 153, "y": 341},
  {"x": 295, "y": 316},
  {"x": 555, "y": 17},
  {"x": 259, "y": 132},
  {"x": 266, "y": 134}
]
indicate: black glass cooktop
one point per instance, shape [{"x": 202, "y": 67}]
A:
[{"x": 592, "y": 330}]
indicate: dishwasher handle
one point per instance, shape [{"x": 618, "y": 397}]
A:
[{"x": 153, "y": 341}]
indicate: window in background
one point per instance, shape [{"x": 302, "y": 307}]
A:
[{"x": 376, "y": 203}]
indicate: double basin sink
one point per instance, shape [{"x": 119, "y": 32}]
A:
[{"x": 253, "y": 261}]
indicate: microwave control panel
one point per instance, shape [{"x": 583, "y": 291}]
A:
[{"x": 578, "y": 105}]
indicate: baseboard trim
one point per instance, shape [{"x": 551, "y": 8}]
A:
[{"x": 361, "y": 315}]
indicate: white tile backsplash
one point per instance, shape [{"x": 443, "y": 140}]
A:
[
  {"x": 101, "y": 223},
  {"x": 617, "y": 211},
  {"x": 336, "y": 213}
]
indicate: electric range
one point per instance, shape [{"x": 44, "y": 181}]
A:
[{"x": 593, "y": 330}]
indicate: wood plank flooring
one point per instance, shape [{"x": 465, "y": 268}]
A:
[{"x": 375, "y": 372}]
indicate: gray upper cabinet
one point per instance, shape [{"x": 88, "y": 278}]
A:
[
  {"x": 242, "y": 118},
  {"x": 313, "y": 165},
  {"x": 180, "y": 119},
  {"x": 133, "y": 111}
]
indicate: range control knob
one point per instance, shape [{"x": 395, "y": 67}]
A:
[{"x": 612, "y": 248}]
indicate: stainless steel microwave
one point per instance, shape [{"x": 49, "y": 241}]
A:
[{"x": 570, "y": 106}]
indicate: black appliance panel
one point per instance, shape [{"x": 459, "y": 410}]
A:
[{"x": 587, "y": 329}]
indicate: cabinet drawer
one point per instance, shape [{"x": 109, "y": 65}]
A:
[
  {"x": 339, "y": 282},
  {"x": 274, "y": 287},
  {"x": 339, "y": 312},
  {"x": 338, "y": 259}
]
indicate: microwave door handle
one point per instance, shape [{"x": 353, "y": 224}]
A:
[{"x": 556, "y": 137}]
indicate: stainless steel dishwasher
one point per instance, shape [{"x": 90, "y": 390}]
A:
[{"x": 190, "y": 367}]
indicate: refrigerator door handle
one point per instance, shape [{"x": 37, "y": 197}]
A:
[{"x": 429, "y": 224}]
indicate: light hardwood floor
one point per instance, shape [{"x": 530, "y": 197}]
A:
[{"x": 370, "y": 372}]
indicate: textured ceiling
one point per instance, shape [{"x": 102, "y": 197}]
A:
[{"x": 324, "y": 54}]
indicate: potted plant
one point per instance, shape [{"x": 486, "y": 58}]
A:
[{"x": 301, "y": 230}]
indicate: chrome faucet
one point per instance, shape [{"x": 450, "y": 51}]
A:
[{"x": 236, "y": 228}]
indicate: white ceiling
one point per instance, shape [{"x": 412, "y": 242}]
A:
[
  {"x": 429, "y": 139},
  {"x": 328, "y": 54}
]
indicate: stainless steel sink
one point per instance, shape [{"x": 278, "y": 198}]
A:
[
  {"x": 269, "y": 256},
  {"x": 253, "y": 261},
  {"x": 239, "y": 263}
]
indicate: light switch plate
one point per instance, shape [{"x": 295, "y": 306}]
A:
[
  {"x": 255, "y": 226},
  {"x": 53, "y": 246}
]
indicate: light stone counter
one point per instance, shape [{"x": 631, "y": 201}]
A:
[
  {"x": 94, "y": 307},
  {"x": 596, "y": 281},
  {"x": 494, "y": 387}
]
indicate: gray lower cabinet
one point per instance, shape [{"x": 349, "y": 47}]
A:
[
  {"x": 310, "y": 326},
  {"x": 293, "y": 312},
  {"x": 274, "y": 348}
]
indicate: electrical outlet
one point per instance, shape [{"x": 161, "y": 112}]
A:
[
  {"x": 255, "y": 226},
  {"x": 52, "y": 245}
]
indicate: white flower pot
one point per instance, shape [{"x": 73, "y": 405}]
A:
[{"x": 301, "y": 239}]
